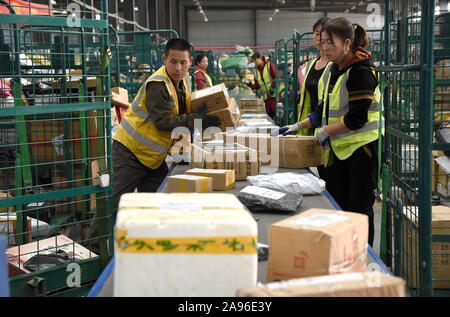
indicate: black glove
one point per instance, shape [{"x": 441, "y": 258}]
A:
[
  {"x": 271, "y": 90},
  {"x": 249, "y": 84},
  {"x": 207, "y": 120}
]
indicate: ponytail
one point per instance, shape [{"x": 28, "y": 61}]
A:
[
  {"x": 344, "y": 30},
  {"x": 360, "y": 38}
]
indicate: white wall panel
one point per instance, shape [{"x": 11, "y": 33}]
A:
[
  {"x": 283, "y": 24},
  {"x": 224, "y": 28},
  {"x": 231, "y": 27}
]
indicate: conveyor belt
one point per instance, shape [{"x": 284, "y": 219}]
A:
[{"x": 103, "y": 286}]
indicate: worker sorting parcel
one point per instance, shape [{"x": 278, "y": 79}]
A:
[
  {"x": 144, "y": 136},
  {"x": 347, "y": 121}
]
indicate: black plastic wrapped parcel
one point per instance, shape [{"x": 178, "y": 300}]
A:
[{"x": 259, "y": 199}]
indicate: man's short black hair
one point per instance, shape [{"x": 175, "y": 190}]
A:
[{"x": 179, "y": 45}]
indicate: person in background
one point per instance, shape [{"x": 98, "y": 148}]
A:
[
  {"x": 144, "y": 136},
  {"x": 202, "y": 79},
  {"x": 311, "y": 92},
  {"x": 265, "y": 82},
  {"x": 351, "y": 119}
]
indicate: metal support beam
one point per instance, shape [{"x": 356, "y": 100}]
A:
[
  {"x": 255, "y": 25},
  {"x": 141, "y": 14},
  {"x": 113, "y": 8},
  {"x": 152, "y": 16},
  {"x": 128, "y": 14}
]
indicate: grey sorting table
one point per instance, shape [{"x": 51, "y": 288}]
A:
[{"x": 103, "y": 286}]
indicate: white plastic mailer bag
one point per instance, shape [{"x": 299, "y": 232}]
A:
[{"x": 303, "y": 184}]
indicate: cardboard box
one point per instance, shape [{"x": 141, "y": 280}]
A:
[
  {"x": 251, "y": 102},
  {"x": 440, "y": 223},
  {"x": 228, "y": 116},
  {"x": 4, "y": 195},
  {"x": 435, "y": 169},
  {"x": 218, "y": 103},
  {"x": 255, "y": 122},
  {"x": 221, "y": 179},
  {"x": 214, "y": 155},
  {"x": 50, "y": 140},
  {"x": 440, "y": 176},
  {"x": 189, "y": 184},
  {"x": 282, "y": 151},
  {"x": 252, "y": 105},
  {"x": 215, "y": 98},
  {"x": 74, "y": 250},
  {"x": 8, "y": 228},
  {"x": 119, "y": 97},
  {"x": 8, "y": 178},
  {"x": 370, "y": 284},
  {"x": 317, "y": 242}
]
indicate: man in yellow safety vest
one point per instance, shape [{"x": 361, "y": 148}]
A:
[{"x": 144, "y": 136}]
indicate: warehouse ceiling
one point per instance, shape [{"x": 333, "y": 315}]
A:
[{"x": 356, "y": 6}]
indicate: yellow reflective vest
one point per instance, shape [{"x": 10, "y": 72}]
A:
[
  {"x": 305, "y": 99},
  {"x": 337, "y": 101},
  {"x": 265, "y": 82},
  {"x": 208, "y": 79},
  {"x": 137, "y": 132}
]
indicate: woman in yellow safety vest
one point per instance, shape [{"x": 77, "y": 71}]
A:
[
  {"x": 202, "y": 79},
  {"x": 311, "y": 92},
  {"x": 351, "y": 118}
]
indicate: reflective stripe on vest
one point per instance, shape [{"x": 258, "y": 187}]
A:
[
  {"x": 344, "y": 144},
  {"x": 208, "y": 79},
  {"x": 135, "y": 134},
  {"x": 138, "y": 133}
]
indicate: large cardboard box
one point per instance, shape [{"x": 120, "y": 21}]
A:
[
  {"x": 221, "y": 179},
  {"x": 368, "y": 284},
  {"x": 215, "y": 98},
  {"x": 215, "y": 155},
  {"x": 52, "y": 140},
  {"x": 280, "y": 151},
  {"x": 218, "y": 103},
  {"x": 317, "y": 242},
  {"x": 189, "y": 184},
  {"x": 440, "y": 223},
  {"x": 16, "y": 260}
]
